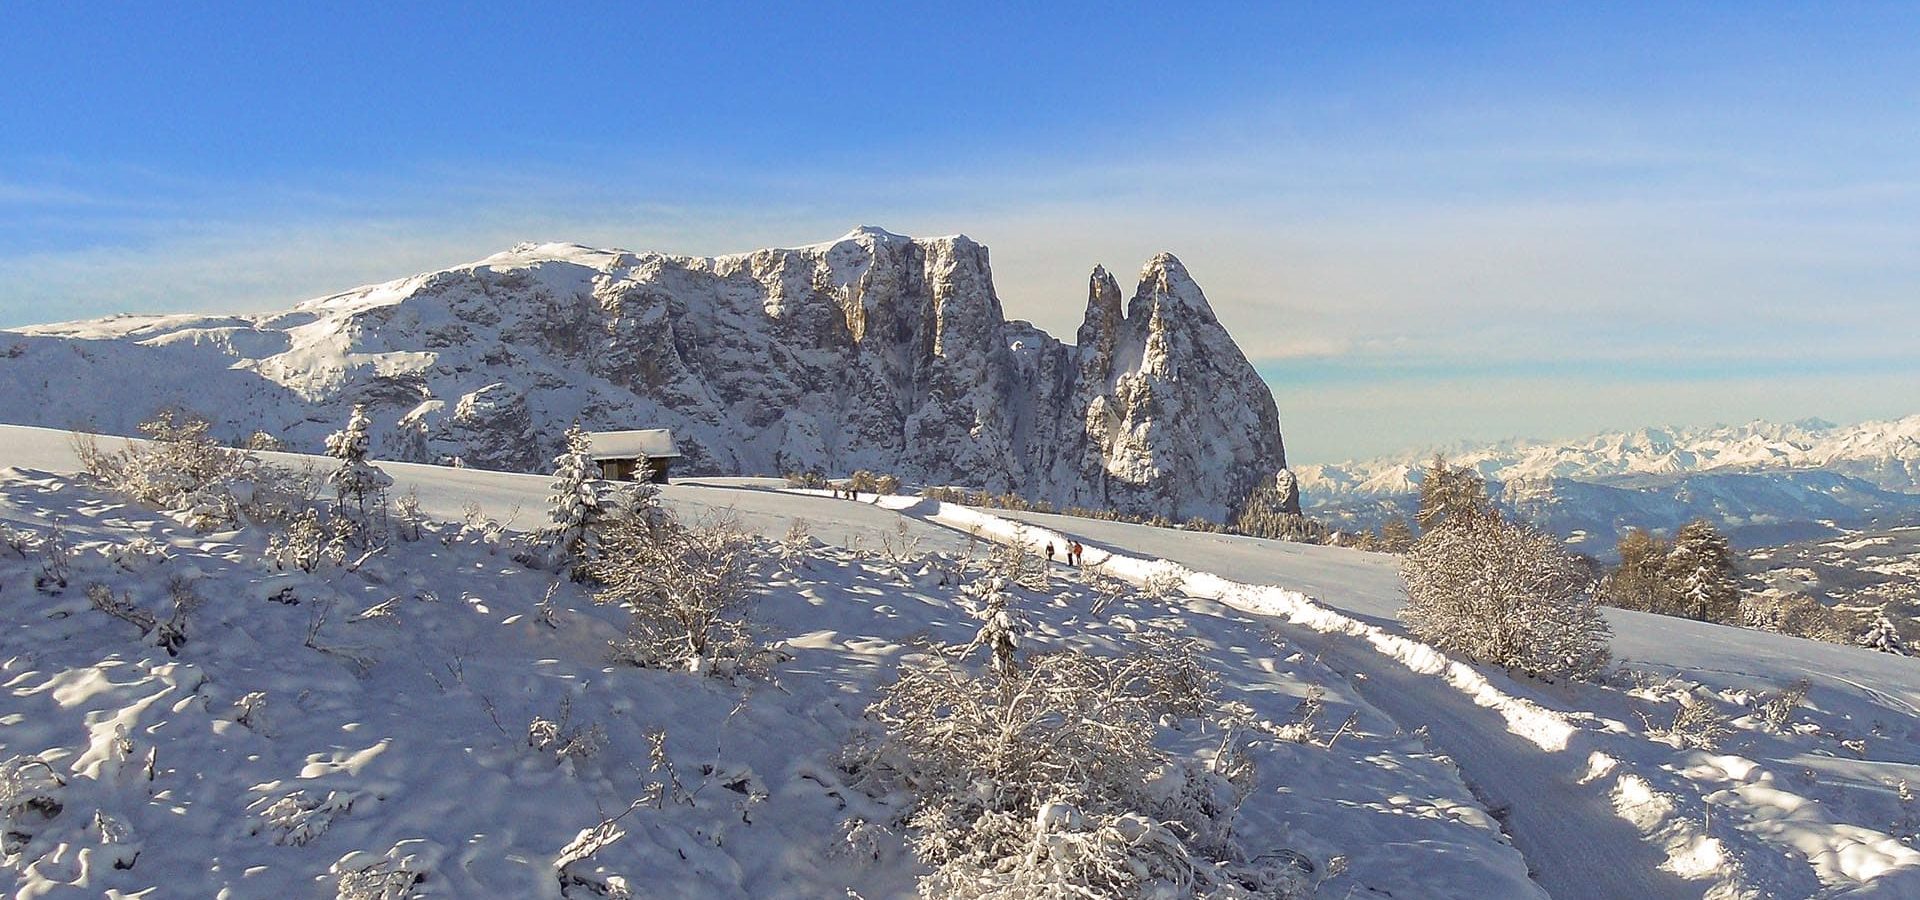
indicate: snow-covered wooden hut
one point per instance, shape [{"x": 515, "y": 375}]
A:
[{"x": 643, "y": 455}]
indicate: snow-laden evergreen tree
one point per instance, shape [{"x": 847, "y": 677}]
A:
[
  {"x": 574, "y": 508},
  {"x": 1699, "y": 577},
  {"x": 1000, "y": 626},
  {"x": 1504, "y": 594},
  {"x": 360, "y": 487},
  {"x": 1884, "y": 636}
]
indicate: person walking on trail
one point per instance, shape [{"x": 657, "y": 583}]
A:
[
  {"x": 1073, "y": 553},
  {"x": 1049, "y": 551}
]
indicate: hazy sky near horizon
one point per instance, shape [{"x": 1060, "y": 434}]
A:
[{"x": 1422, "y": 222}]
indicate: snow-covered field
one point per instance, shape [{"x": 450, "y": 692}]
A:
[{"x": 381, "y": 722}]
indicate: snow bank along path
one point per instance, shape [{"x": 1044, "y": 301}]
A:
[
  {"x": 1728, "y": 861},
  {"x": 1576, "y": 849}
]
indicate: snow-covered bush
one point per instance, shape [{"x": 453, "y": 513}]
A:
[
  {"x": 1697, "y": 724},
  {"x": 809, "y": 480},
  {"x": 1777, "y": 708},
  {"x": 365, "y": 876},
  {"x": 687, "y": 588},
  {"x": 408, "y": 519},
  {"x": 480, "y": 529},
  {"x": 1504, "y": 594},
  {"x": 1044, "y": 779},
  {"x": 56, "y": 562},
  {"x": 182, "y": 470},
  {"x": 560, "y": 738},
  {"x": 138, "y": 554},
  {"x": 360, "y": 487},
  {"x": 797, "y": 544},
  {"x": 169, "y": 634},
  {"x": 297, "y": 818},
  {"x": 308, "y": 543},
  {"x": 29, "y": 785}
]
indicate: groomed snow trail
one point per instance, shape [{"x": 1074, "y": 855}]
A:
[
  {"x": 1574, "y": 842},
  {"x": 1509, "y": 750}
]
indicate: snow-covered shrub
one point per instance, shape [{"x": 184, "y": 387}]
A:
[
  {"x": 1043, "y": 779},
  {"x": 408, "y": 519},
  {"x": 479, "y": 529},
  {"x": 886, "y": 484},
  {"x": 1697, "y": 724},
  {"x": 687, "y": 588},
  {"x": 137, "y": 555},
  {"x": 56, "y": 562},
  {"x": 1777, "y": 709},
  {"x": 297, "y": 818},
  {"x": 308, "y": 543},
  {"x": 17, "y": 540},
  {"x": 1000, "y": 624},
  {"x": 183, "y": 471},
  {"x": 1018, "y": 564},
  {"x": 360, "y": 487},
  {"x": 585, "y": 846},
  {"x": 562, "y": 739},
  {"x": 1504, "y": 594},
  {"x": 29, "y": 784},
  {"x": 809, "y": 480},
  {"x": 797, "y": 544},
  {"x": 364, "y": 876},
  {"x": 169, "y": 634},
  {"x": 263, "y": 442},
  {"x": 1163, "y": 583}
]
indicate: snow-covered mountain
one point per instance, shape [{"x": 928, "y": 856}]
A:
[
  {"x": 1883, "y": 453},
  {"x": 873, "y": 350}
]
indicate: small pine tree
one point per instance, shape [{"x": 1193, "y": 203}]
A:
[
  {"x": 1884, "y": 636},
  {"x": 574, "y": 507},
  {"x": 360, "y": 487},
  {"x": 1699, "y": 576}
]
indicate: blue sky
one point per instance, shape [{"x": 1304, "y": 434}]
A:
[{"x": 1424, "y": 222}]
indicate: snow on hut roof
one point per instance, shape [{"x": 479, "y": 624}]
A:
[{"x": 652, "y": 443}]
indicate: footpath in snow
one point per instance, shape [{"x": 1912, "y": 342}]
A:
[{"x": 1599, "y": 810}]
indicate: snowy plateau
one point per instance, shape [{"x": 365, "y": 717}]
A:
[
  {"x": 440, "y": 720},
  {"x": 870, "y": 351}
]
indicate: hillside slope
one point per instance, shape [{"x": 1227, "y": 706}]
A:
[{"x": 321, "y": 727}]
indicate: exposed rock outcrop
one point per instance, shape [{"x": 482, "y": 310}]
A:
[{"x": 871, "y": 351}]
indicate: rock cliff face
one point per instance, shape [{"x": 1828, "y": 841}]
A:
[{"x": 871, "y": 351}]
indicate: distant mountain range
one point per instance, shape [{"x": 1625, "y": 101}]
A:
[{"x": 1765, "y": 483}]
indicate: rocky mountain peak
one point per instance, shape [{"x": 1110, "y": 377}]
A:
[{"x": 873, "y": 351}]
